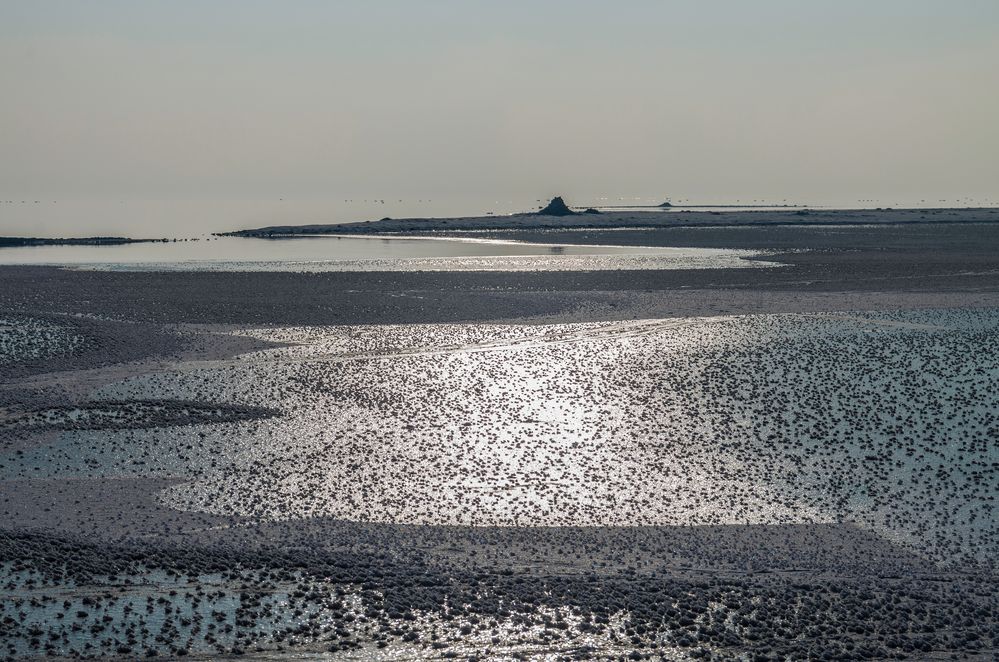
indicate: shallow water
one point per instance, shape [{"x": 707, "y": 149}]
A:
[
  {"x": 886, "y": 421},
  {"x": 353, "y": 253},
  {"x": 882, "y": 419}
]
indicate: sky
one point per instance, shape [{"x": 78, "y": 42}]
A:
[{"x": 128, "y": 117}]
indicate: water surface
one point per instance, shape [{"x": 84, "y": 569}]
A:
[{"x": 354, "y": 253}]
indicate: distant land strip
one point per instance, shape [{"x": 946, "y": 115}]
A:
[
  {"x": 12, "y": 242},
  {"x": 625, "y": 219}
]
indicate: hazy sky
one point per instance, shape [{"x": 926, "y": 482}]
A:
[{"x": 236, "y": 104}]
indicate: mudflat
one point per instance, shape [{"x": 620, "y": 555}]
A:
[{"x": 796, "y": 461}]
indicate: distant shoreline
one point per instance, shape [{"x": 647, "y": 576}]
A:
[
  {"x": 18, "y": 242},
  {"x": 630, "y": 219}
]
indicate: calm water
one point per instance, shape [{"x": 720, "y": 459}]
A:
[{"x": 326, "y": 253}]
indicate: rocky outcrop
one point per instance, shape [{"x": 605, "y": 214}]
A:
[{"x": 557, "y": 207}]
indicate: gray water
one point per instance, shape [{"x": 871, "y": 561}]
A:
[{"x": 332, "y": 253}]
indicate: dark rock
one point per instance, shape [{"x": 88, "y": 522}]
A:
[{"x": 557, "y": 207}]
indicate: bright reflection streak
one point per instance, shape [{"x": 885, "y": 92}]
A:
[{"x": 768, "y": 419}]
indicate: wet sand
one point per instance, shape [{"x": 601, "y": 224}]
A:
[{"x": 675, "y": 464}]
